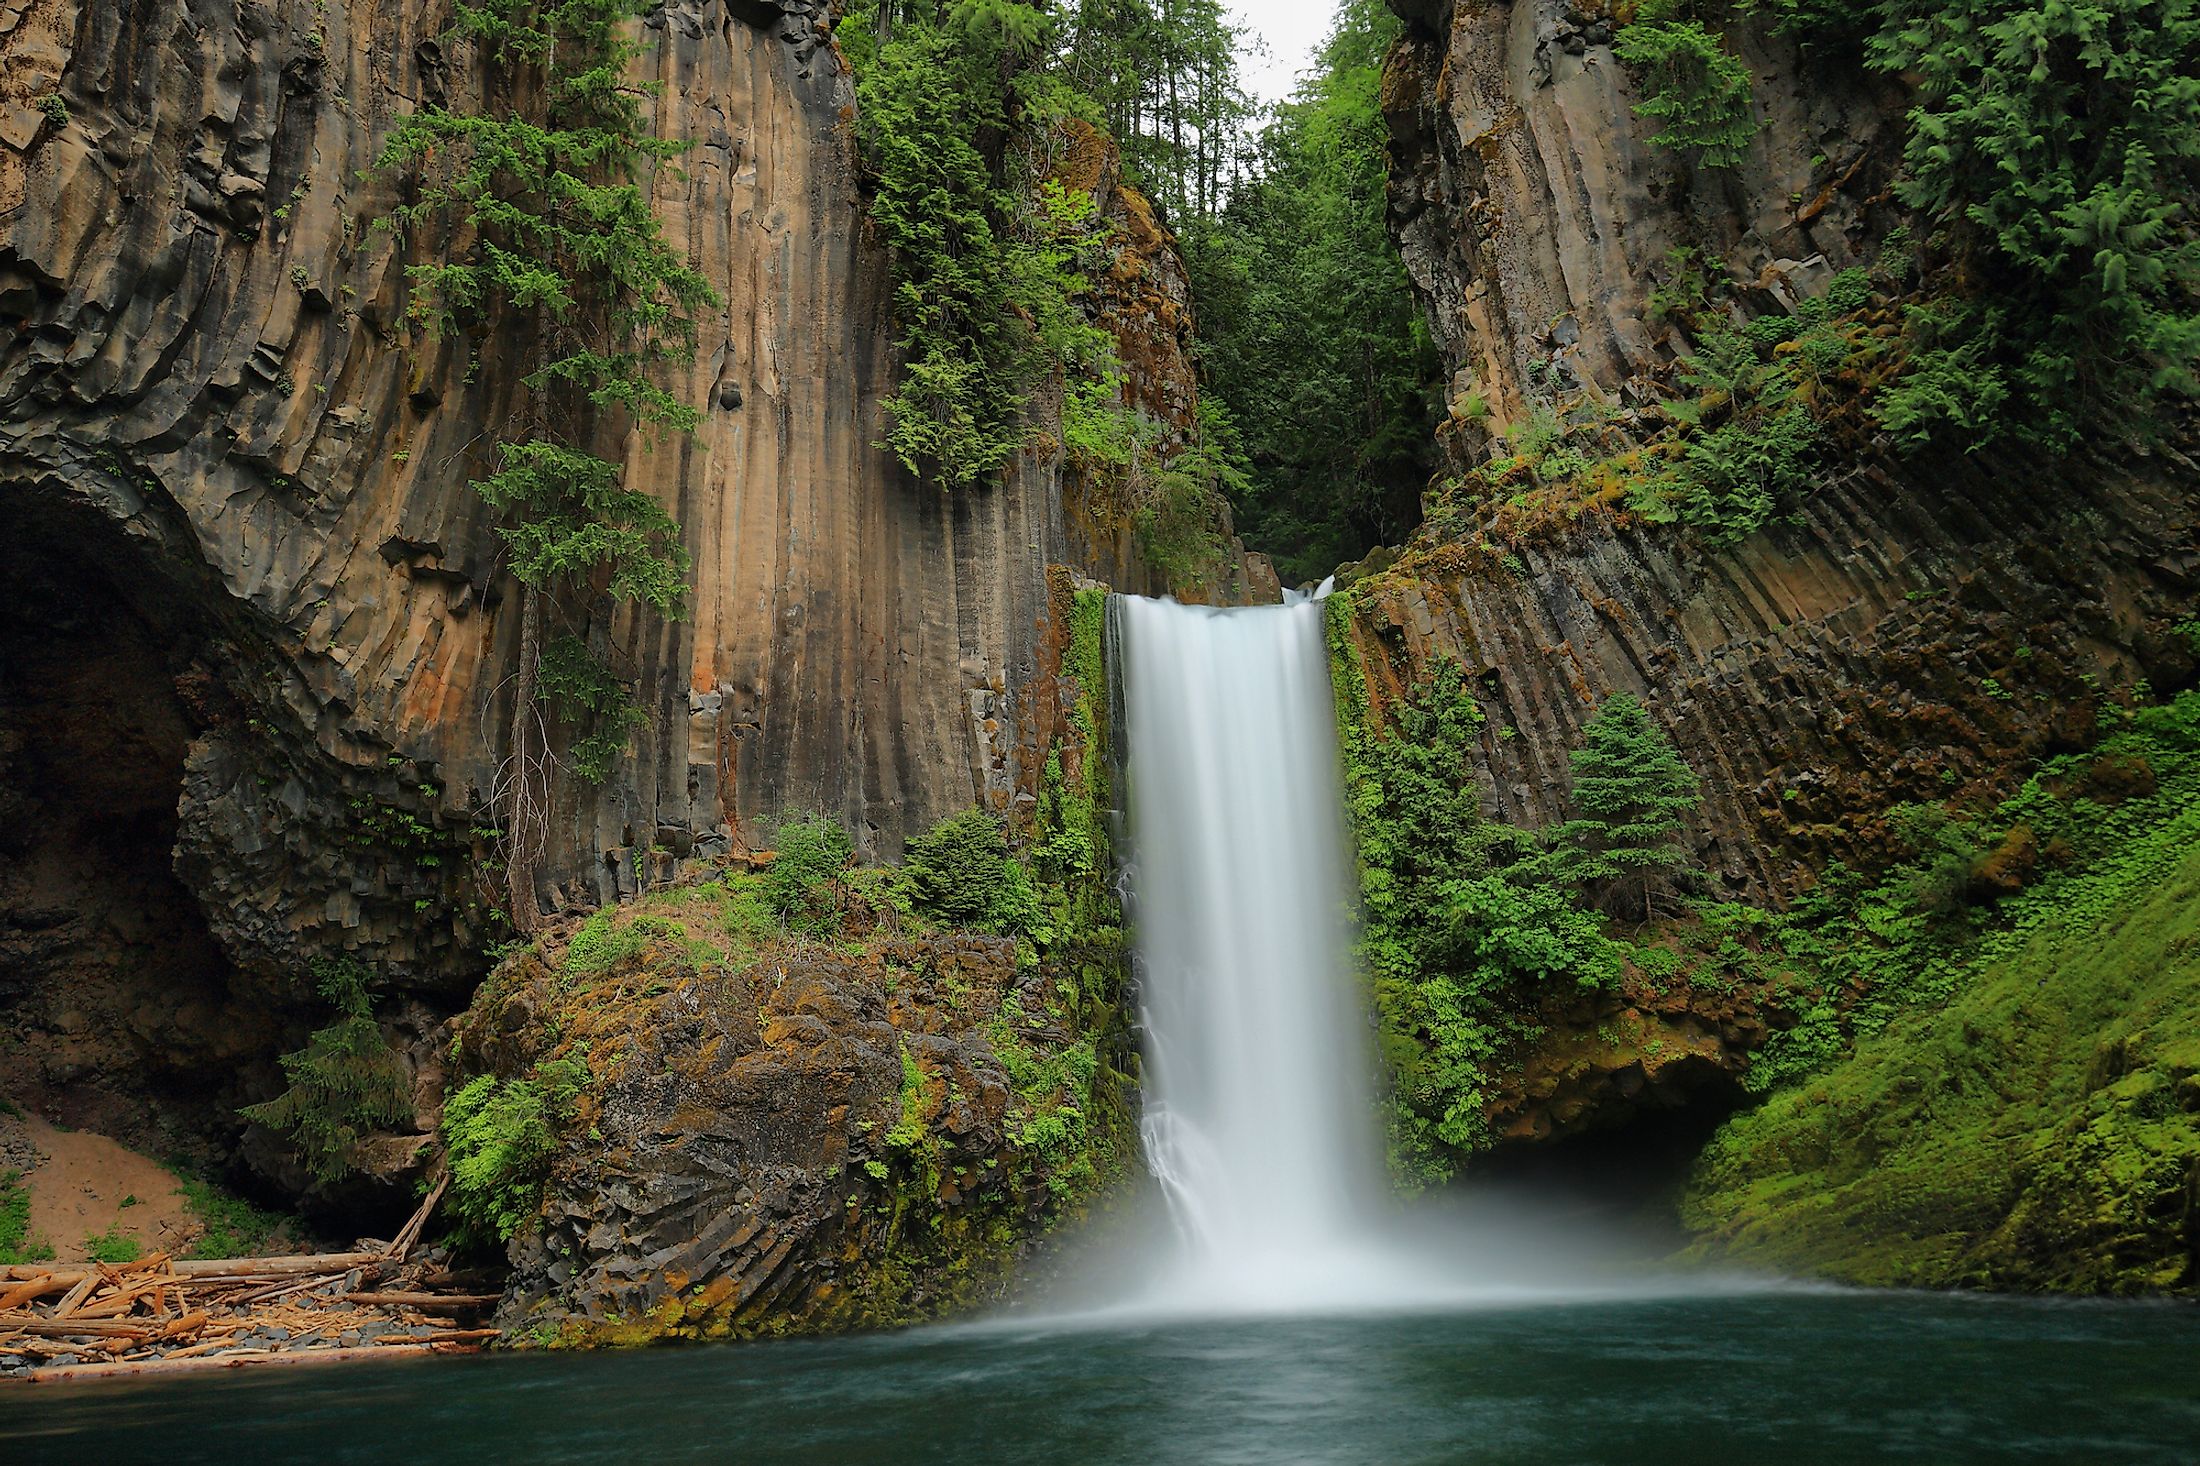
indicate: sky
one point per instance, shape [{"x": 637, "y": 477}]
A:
[{"x": 1292, "y": 29}]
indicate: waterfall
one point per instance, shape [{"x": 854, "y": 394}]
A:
[{"x": 1259, "y": 1122}]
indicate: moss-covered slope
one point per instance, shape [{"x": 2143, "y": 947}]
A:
[{"x": 2041, "y": 1130}]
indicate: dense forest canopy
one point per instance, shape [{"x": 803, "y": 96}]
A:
[{"x": 1315, "y": 364}]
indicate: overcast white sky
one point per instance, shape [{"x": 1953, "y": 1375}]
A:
[{"x": 1292, "y": 29}]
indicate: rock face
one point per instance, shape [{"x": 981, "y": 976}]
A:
[
  {"x": 1536, "y": 219},
  {"x": 1914, "y": 629},
  {"x": 1908, "y": 638},
  {"x": 212, "y": 400},
  {"x": 211, "y": 333},
  {"x": 817, "y": 1142}
]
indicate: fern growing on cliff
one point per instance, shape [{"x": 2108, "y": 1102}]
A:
[
  {"x": 2054, "y": 147},
  {"x": 555, "y": 242}
]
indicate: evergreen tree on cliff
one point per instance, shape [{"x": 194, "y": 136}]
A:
[{"x": 1631, "y": 794}]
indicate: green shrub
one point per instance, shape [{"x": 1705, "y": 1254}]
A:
[
  {"x": 960, "y": 871},
  {"x": 501, "y": 1135},
  {"x": 1696, "y": 90},
  {"x": 2050, "y": 151},
  {"x": 16, "y": 1244},
  {"x": 112, "y": 1246},
  {"x": 810, "y": 854},
  {"x": 345, "y": 1083},
  {"x": 230, "y": 1226},
  {"x": 604, "y": 941}
]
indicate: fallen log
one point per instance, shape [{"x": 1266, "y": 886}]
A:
[
  {"x": 275, "y": 1267},
  {"x": 217, "y": 1269},
  {"x": 432, "y": 1302},
  {"x": 190, "y": 1323},
  {"x": 77, "y": 1294},
  {"x": 243, "y": 1359},
  {"x": 402, "y": 1244},
  {"x": 442, "y": 1336},
  {"x": 72, "y": 1328},
  {"x": 22, "y": 1293}
]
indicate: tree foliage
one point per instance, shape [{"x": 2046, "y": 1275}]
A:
[
  {"x": 960, "y": 871},
  {"x": 1163, "y": 78},
  {"x": 2055, "y": 148},
  {"x": 1307, "y": 322},
  {"x": 346, "y": 1083},
  {"x": 549, "y": 237},
  {"x": 1696, "y": 90},
  {"x": 1632, "y": 794}
]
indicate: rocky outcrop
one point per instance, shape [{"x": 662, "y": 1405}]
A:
[
  {"x": 1608, "y": 1059},
  {"x": 212, "y": 401},
  {"x": 818, "y": 1141},
  {"x": 1913, "y": 629},
  {"x": 1536, "y": 220},
  {"x": 1913, "y": 633}
]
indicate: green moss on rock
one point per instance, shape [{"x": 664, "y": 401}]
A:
[{"x": 2036, "y": 1123}]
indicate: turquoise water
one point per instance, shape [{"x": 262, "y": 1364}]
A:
[{"x": 1773, "y": 1378}]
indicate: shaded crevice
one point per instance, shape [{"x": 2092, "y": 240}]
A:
[{"x": 119, "y": 1013}]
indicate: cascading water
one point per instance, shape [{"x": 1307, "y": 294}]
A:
[{"x": 1258, "y": 1122}]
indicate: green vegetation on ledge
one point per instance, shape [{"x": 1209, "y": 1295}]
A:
[
  {"x": 2022, "y": 1105},
  {"x": 964, "y": 1012},
  {"x": 1467, "y": 923}
]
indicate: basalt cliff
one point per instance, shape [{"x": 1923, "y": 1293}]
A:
[
  {"x": 256, "y": 681},
  {"x": 1920, "y": 629}
]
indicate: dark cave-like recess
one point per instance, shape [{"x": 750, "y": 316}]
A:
[
  {"x": 1629, "y": 1169},
  {"x": 118, "y": 1012}
]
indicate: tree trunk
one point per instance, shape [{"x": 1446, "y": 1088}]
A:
[{"x": 528, "y": 814}]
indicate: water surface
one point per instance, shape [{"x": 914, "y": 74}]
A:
[{"x": 1772, "y": 1378}]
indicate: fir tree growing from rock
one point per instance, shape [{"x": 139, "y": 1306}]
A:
[{"x": 1631, "y": 794}]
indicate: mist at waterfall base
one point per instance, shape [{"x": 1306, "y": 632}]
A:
[{"x": 1260, "y": 1125}]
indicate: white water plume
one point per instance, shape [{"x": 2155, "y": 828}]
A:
[
  {"x": 1260, "y": 1125},
  {"x": 1259, "y": 1119}
]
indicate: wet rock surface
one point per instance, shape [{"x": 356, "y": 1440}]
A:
[{"x": 824, "y": 1139}]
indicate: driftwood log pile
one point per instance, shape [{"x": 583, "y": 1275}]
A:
[{"x": 161, "y": 1314}]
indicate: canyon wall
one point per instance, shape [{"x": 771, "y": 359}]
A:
[
  {"x": 210, "y": 348},
  {"x": 220, "y": 428},
  {"x": 1536, "y": 219},
  {"x": 1914, "y": 629}
]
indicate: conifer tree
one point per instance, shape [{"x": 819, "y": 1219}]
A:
[
  {"x": 557, "y": 248},
  {"x": 344, "y": 1084},
  {"x": 1632, "y": 792}
]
